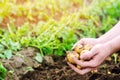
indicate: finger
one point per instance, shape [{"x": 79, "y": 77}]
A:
[
  {"x": 91, "y": 63},
  {"x": 84, "y": 55},
  {"x": 82, "y": 71},
  {"x": 87, "y": 55}
]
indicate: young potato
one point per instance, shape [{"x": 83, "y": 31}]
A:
[
  {"x": 79, "y": 67},
  {"x": 76, "y": 52},
  {"x": 70, "y": 55},
  {"x": 87, "y": 47},
  {"x": 78, "y": 48}
]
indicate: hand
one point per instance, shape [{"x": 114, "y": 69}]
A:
[
  {"x": 96, "y": 55},
  {"x": 90, "y": 41}
]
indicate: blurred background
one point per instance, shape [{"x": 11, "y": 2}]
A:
[
  {"x": 49, "y": 26},
  {"x": 53, "y": 26}
]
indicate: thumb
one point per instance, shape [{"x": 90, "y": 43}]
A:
[{"x": 87, "y": 55}]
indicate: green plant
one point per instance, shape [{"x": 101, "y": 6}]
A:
[
  {"x": 38, "y": 57},
  {"x": 29, "y": 69},
  {"x": 51, "y": 27},
  {"x": 2, "y": 71},
  {"x": 115, "y": 55}
]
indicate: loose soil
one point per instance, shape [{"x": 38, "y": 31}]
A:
[
  {"x": 20, "y": 63},
  {"x": 59, "y": 70},
  {"x": 54, "y": 68}
]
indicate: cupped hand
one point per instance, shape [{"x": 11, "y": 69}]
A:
[{"x": 96, "y": 55}]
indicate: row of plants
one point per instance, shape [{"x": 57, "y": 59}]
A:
[{"x": 52, "y": 27}]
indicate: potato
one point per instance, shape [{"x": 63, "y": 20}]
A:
[
  {"x": 76, "y": 52},
  {"x": 79, "y": 67},
  {"x": 70, "y": 55},
  {"x": 83, "y": 51},
  {"x": 87, "y": 47},
  {"x": 78, "y": 48}
]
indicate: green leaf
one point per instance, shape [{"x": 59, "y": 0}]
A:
[
  {"x": 48, "y": 50},
  {"x": 30, "y": 69},
  {"x": 2, "y": 56},
  {"x": 2, "y": 71},
  {"x": 8, "y": 53},
  {"x": 15, "y": 45},
  {"x": 39, "y": 58},
  {"x": 59, "y": 52},
  {"x": 1, "y": 47}
]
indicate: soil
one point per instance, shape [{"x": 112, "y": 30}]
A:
[
  {"x": 20, "y": 63},
  {"x": 25, "y": 67},
  {"x": 59, "y": 70}
]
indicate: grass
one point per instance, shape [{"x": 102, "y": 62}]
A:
[{"x": 2, "y": 71}]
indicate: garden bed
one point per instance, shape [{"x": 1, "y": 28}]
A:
[
  {"x": 56, "y": 68},
  {"x": 61, "y": 71}
]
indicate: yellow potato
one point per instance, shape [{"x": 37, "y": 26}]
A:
[
  {"x": 70, "y": 55},
  {"x": 83, "y": 51},
  {"x": 76, "y": 52},
  {"x": 87, "y": 47},
  {"x": 78, "y": 48},
  {"x": 79, "y": 67}
]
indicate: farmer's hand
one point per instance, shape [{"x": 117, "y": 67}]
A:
[
  {"x": 90, "y": 41},
  {"x": 96, "y": 55}
]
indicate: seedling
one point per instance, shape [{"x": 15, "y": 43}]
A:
[{"x": 115, "y": 55}]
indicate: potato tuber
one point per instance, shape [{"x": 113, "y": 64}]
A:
[
  {"x": 70, "y": 55},
  {"x": 78, "y": 48},
  {"x": 76, "y": 52}
]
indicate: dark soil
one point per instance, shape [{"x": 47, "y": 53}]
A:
[
  {"x": 20, "y": 63},
  {"x": 55, "y": 68},
  {"x": 59, "y": 70}
]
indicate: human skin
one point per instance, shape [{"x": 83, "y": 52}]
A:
[
  {"x": 102, "y": 48},
  {"x": 112, "y": 33}
]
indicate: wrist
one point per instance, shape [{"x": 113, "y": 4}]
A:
[
  {"x": 109, "y": 47},
  {"x": 100, "y": 40}
]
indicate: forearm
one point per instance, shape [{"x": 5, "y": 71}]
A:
[
  {"x": 114, "y": 44},
  {"x": 112, "y": 33}
]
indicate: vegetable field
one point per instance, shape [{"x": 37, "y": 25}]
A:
[{"x": 35, "y": 35}]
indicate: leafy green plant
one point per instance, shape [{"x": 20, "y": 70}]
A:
[
  {"x": 7, "y": 48},
  {"x": 2, "y": 71},
  {"x": 54, "y": 28}
]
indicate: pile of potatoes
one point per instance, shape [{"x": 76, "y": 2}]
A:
[{"x": 76, "y": 52}]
